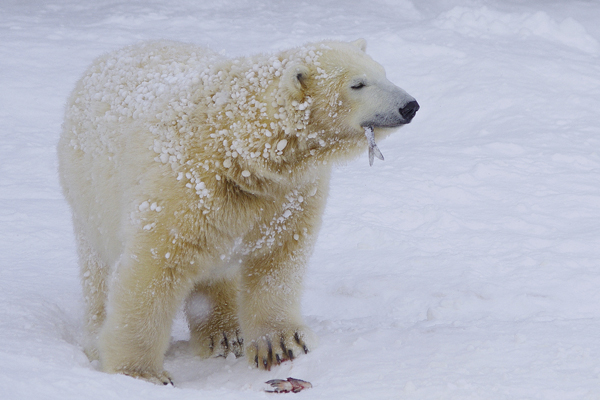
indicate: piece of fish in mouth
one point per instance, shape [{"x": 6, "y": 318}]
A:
[{"x": 373, "y": 149}]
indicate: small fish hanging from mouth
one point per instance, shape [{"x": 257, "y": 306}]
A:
[{"x": 373, "y": 149}]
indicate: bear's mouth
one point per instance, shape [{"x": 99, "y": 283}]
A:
[
  {"x": 398, "y": 117},
  {"x": 404, "y": 116},
  {"x": 373, "y": 149}
]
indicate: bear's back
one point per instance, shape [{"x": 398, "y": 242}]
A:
[{"x": 141, "y": 80}]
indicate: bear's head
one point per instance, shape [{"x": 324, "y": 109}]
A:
[{"x": 348, "y": 94}]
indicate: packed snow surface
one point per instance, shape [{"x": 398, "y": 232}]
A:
[{"x": 464, "y": 266}]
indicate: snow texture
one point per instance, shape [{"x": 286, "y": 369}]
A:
[{"x": 464, "y": 266}]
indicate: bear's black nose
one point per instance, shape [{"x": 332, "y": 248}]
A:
[{"x": 409, "y": 110}]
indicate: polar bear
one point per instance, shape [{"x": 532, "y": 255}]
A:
[{"x": 198, "y": 179}]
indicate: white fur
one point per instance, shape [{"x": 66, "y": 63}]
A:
[{"x": 192, "y": 176}]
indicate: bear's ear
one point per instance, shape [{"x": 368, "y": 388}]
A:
[
  {"x": 294, "y": 80},
  {"x": 361, "y": 44}
]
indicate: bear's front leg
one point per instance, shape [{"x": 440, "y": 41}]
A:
[
  {"x": 271, "y": 279},
  {"x": 147, "y": 289},
  {"x": 270, "y": 309},
  {"x": 215, "y": 331}
]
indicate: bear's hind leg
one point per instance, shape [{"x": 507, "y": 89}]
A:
[
  {"x": 93, "y": 279},
  {"x": 211, "y": 310},
  {"x": 140, "y": 312}
]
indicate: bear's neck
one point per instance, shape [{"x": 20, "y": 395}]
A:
[{"x": 257, "y": 137}]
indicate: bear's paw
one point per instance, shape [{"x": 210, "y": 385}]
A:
[
  {"x": 217, "y": 340},
  {"x": 277, "y": 347},
  {"x": 158, "y": 378}
]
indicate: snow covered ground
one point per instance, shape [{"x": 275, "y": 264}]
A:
[{"x": 464, "y": 266}]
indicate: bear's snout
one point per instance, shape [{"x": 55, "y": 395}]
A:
[{"x": 409, "y": 110}]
